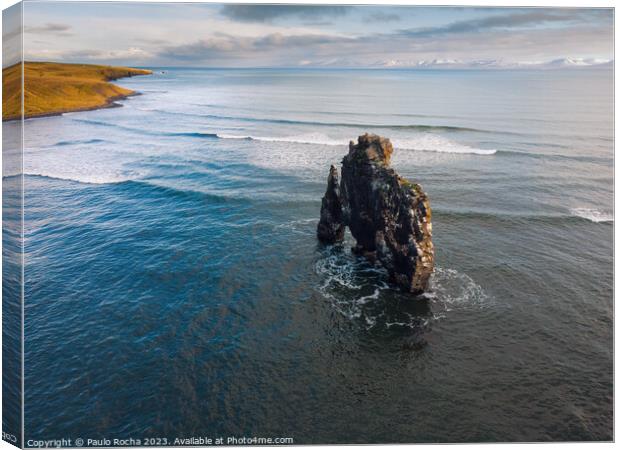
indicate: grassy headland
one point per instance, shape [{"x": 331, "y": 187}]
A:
[{"x": 55, "y": 88}]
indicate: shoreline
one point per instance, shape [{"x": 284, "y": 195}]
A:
[
  {"x": 54, "y": 89},
  {"x": 110, "y": 103}
]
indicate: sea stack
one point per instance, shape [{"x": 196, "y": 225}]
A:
[
  {"x": 331, "y": 225},
  {"x": 389, "y": 217}
]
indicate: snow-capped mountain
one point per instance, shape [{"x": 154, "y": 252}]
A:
[
  {"x": 453, "y": 63},
  {"x": 493, "y": 64},
  {"x": 577, "y": 62}
]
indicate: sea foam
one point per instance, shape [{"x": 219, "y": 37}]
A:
[
  {"x": 421, "y": 142},
  {"x": 87, "y": 178},
  {"x": 593, "y": 215}
]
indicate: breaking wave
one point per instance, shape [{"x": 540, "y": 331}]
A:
[
  {"x": 422, "y": 138},
  {"x": 418, "y": 127},
  {"x": 89, "y": 178},
  {"x": 420, "y": 142},
  {"x": 593, "y": 215},
  {"x": 426, "y": 142}
]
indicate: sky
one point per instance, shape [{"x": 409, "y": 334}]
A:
[{"x": 234, "y": 35}]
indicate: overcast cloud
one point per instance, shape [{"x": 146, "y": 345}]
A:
[
  {"x": 212, "y": 35},
  {"x": 268, "y": 13}
]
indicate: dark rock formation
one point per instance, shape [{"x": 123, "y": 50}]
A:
[
  {"x": 331, "y": 225},
  {"x": 389, "y": 217}
]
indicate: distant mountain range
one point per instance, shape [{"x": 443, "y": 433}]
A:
[
  {"x": 495, "y": 64},
  {"x": 562, "y": 63}
]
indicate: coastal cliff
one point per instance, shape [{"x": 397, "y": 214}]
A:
[
  {"x": 54, "y": 88},
  {"x": 389, "y": 217}
]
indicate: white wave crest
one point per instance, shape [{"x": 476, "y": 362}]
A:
[
  {"x": 86, "y": 178},
  {"x": 427, "y": 142},
  {"x": 309, "y": 138},
  {"x": 593, "y": 215},
  {"x": 424, "y": 142}
]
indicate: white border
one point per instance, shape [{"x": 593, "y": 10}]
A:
[{"x": 490, "y": 3}]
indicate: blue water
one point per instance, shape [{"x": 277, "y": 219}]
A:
[{"x": 175, "y": 286}]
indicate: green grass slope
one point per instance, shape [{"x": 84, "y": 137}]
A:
[{"x": 54, "y": 88}]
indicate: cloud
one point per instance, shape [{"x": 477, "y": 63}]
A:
[
  {"x": 204, "y": 49},
  {"x": 11, "y": 35},
  {"x": 275, "y": 36},
  {"x": 510, "y": 45},
  {"x": 276, "y": 40},
  {"x": 318, "y": 23},
  {"x": 383, "y": 17},
  {"x": 518, "y": 43},
  {"x": 151, "y": 41},
  {"x": 530, "y": 18},
  {"x": 57, "y": 29},
  {"x": 267, "y": 13},
  {"x": 223, "y": 45},
  {"x": 130, "y": 54}
]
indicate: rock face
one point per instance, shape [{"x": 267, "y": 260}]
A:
[
  {"x": 331, "y": 225},
  {"x": 389, "y": 217}
]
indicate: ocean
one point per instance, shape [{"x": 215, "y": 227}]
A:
[{"x": 175, "y": 286}]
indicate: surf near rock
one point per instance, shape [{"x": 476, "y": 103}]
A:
[{"x": 389, "y": 217}]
